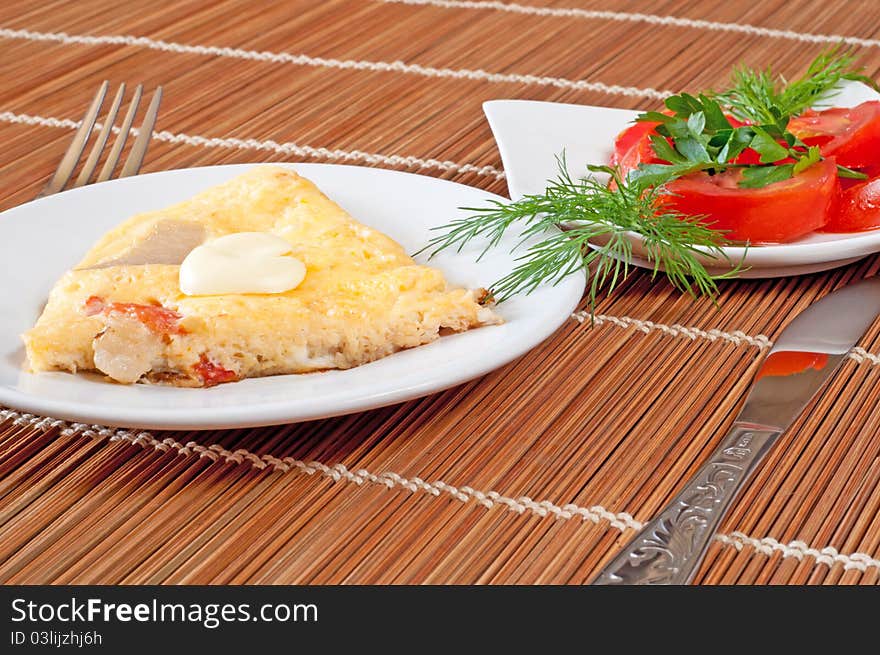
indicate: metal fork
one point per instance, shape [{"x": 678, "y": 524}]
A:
[{"x": 77, "y": 145}]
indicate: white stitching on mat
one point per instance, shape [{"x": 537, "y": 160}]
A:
[
  {"x": 342, "y": 64},
  {"x": 652, "y": 19},
  {"x": 861, "y": 355},
  {"x": 43, "y": 121},
  {"x": 736, "y": 337},
  {"x": 284, "y": 148},
  {"x": 798, "y": 549},
  {"x": 338, "y": 472}
]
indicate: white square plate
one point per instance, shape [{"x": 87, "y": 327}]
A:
[{"x": 531, "y": 135}]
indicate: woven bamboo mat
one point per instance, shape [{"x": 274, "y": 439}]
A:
[{"x": 536, "y": 473}]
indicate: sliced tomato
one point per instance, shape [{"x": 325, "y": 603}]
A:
[
  {"x": 213, "y": 374},
  {"x": 94, "y": 305},
  {"x": 157, "y": 318},
  {"x": 852, "y": 136},
  {"x": 857, "y": 209},
  {"x": 633, "y": 147},
  {"x": 776, "y": 213}
]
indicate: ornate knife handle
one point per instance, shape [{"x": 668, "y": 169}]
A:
[{"x": 669, "y": 549}]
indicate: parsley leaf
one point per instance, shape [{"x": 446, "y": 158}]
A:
[
  {"x": 696, "y": 133},
  {"x": 766, "y": 146},
  {"x": 760, "y": 176}
]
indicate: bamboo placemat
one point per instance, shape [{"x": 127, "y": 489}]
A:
[{"x": 536, "y": 473}]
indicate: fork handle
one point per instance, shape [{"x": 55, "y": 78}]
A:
[{"x": 670, "y": 548}]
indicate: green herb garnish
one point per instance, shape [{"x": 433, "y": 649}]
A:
[
  {"x": 698, "y": 136},
  {"x": 592, "y": 212},
  {"x": 694, "y": 135},
  {"x": 762, "y": 97}
]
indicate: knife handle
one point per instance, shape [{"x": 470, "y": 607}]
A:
[{"x": 669, "y": 548}]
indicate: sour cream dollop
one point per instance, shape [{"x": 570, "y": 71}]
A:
[{"x": 243, "y": 262}]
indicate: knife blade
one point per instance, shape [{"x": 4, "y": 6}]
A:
[{"x": 670, "y": 548}]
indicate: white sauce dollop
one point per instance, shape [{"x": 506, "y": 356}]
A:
[{"x": 244, "y": 262}]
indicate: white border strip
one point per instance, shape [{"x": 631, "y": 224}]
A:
[
  {"x": 489, "y": 499},
  {"x": 651, "y": 19},
  {"x": 477, "y": 74}
]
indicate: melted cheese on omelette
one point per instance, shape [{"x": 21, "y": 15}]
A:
[{"x": 121, "y": 311}]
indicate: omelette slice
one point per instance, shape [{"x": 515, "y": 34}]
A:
[{"x": 122, "y": 312}]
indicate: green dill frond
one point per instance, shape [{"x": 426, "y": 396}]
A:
[
  {"x": 599, "y": 222},
  {"x": 762, "y": 97}
]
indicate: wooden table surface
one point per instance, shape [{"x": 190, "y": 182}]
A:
[{"x": 535, "y": 473}]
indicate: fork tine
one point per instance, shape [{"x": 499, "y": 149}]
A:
[
  {"x": 92, "y": 161},
  {"x": 139, "y": 147},
  {"x": 74, "y": 150},
  {"x": 119, "y": 143}
]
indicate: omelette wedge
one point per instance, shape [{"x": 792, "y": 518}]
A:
[{"x": 121, "y": 311}]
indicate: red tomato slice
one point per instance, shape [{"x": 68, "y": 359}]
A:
[
  {"x": 213, "y": 374},
  {"x": 852, "y": 136},
  {"x": 633, "y": 147},
  {"x": 858, "y": 208},
  {"x": 157, "y": 318},
  {"x": 778, "y": 212}
]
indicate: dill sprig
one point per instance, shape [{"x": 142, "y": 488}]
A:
[
  {"x": 592, "y": 213},
  {"x": 762, "y": 97}
]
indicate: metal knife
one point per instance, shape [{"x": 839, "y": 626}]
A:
[{"x": 670, "y": 548}]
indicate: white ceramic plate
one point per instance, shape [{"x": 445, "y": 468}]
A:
[
  {"x": 42, "y": 239},
  {"x": 530, "y": 135}
]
